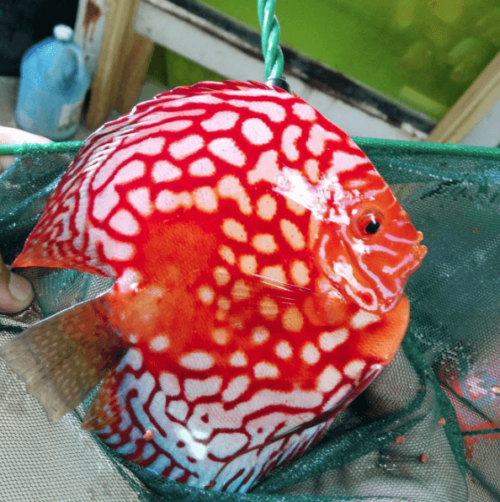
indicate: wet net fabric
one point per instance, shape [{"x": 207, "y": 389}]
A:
[{"x": 426, "y": 430}]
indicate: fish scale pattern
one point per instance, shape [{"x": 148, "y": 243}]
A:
[
  {"x": 102, "y": 220},
  {"x": 253, "y": 312}
]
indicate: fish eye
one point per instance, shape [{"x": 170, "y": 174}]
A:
[
  {"x": 369, "y": 223},
  {"x": 372, "y": 227}
]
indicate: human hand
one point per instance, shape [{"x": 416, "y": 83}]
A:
[{"x": 16, "y": 292}]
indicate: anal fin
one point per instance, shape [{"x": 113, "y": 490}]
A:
[
  {"x": 104, "y": 411},
  {"x": 64, "y": 357}
]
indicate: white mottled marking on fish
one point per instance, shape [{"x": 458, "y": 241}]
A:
[
  {"x": 124, "y": 223},
  {"x": 140, "y": 199},
  {"x": 197, "y": 360},
  {"x": 304, "y": 111},
  {"x": 292, "y": 235},
  {"x": 132, "y": 171},
  {"x": 159, "y": 343},
  {"x": 292, "y": 319},
  {"x": 273, "y": 111},
  {"x": 205, "y": 199},
  {"x": 267, "y": 169},
  {"x": 238, "y": 359},
  {"x": 206, "y": 99},
  {"x": 264, "y": 243},
  {"x": 260, "y": 335},
  {"x": 221, "y": 276},
  {"x": 113, "y": 249},
  {"x": 227, "y": 150},
  {"x": 293, "y": 185},
  {"x": 328, "y": 340},
  {"x": 295, "y": 207},
  {"x": 300, "y": 273},
  {"x": 221, "y": 121},
  {"x": 178, "y": 409},
  {"x": 226, "y": 444},
  {"x": 266, "y": 207},
  {"x": 363, "y": 318},
  {"x": 229, "y": 187},
  {"x": 132, "y": 358},
  {"x": 393, "y": 238},
  {"x": 275, "y": 272},
  {"x": 224, "y": 303},
  {"x": 236, "y": 387},
  {"x": 328, "y": 379},
  {"x": 234, "y": 230},
  {"x": 129, "y": 280},
  {"x": 265, "y": 370},
  {"x": 105, "y": 202},
  {"x": 256, "y": 132},
  {"x": 354, "y": 368},
  {"x": 195, "y": 388},
  {"x": 227, "y": 254},
  {"x": 166, "y": 201},
  {"x": 288, "y": 142},
  {"x": 283, "y": 350},
  {"x": 169, "y": 384},
  {"x": 240, "y": 290},
  {"x": 337, "y": 397},
  {"x": 318, "y": 136},
  {"x": 186, "y": 146},
  {"x": 382, "y": 249},
  {"x": 221, "y": 336},
  {"x": 248, "y": 264},
  {"x": 310, "y": 354},
  {"x": 165, "y": 171},
  {"x": 311, "y": 168},
  {"x": 150, "y": 146},
  {"x": 342, "y": 162},
  {"x": 391, "y": 270},
  {"x": 202, "y": 167},
  {"x": 206, "y": 294},
  {"x": 268, "y": 308}
]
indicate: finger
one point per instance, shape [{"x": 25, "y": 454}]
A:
[
  {"x": 16, "y": 292},
  {"x": 11, "y": 136}
]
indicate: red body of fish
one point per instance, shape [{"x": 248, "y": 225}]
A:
[{"x": 260, "y": 262}]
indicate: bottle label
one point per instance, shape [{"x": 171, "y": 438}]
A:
[{"x": 70, "y": 115}]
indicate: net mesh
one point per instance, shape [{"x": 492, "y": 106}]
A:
[{"x": 426, "y": 430}]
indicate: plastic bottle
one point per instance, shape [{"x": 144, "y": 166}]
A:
[{"x": 52, "y": 87}]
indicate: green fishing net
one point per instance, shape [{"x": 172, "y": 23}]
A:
[{"x": 426, "y": 430}]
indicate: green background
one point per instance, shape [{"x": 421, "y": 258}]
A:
[{"x": 422, "y": 53}]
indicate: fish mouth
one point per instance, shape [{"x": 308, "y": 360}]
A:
[{"x": 419, "y": 249}]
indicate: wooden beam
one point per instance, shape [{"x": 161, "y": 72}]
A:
[
  {"x": 472, "y": 106},
  {"x": 120, "y": 43},
  {"x": 139, "y": 50}
]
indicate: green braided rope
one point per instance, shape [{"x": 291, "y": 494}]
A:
[
  {"x": 273, "y": 57},
  {"x": 65, "y": 147}
]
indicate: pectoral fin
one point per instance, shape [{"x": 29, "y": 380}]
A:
[{"x": 64, "y": 357}]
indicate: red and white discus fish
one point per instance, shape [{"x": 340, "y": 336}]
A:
[{"x": 260, "y": 261}]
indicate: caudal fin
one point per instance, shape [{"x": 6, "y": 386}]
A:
[{"x": 64, "y": 357}]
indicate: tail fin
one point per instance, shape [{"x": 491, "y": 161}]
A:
[{"x": 64, "y": 357}]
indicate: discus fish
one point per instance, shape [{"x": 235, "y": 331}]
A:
[{"x": 260, "y": 261}]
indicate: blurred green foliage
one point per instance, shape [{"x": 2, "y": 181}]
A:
[{"x": 422, "y": 53}]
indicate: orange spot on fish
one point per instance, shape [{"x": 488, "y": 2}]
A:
[
  {"x": 292, "y": 319},
  {"x": 148, "y": 435},
  {"x": 268, "y": 308}
]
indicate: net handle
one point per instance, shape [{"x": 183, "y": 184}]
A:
[{"x": 388, "y": 145}]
